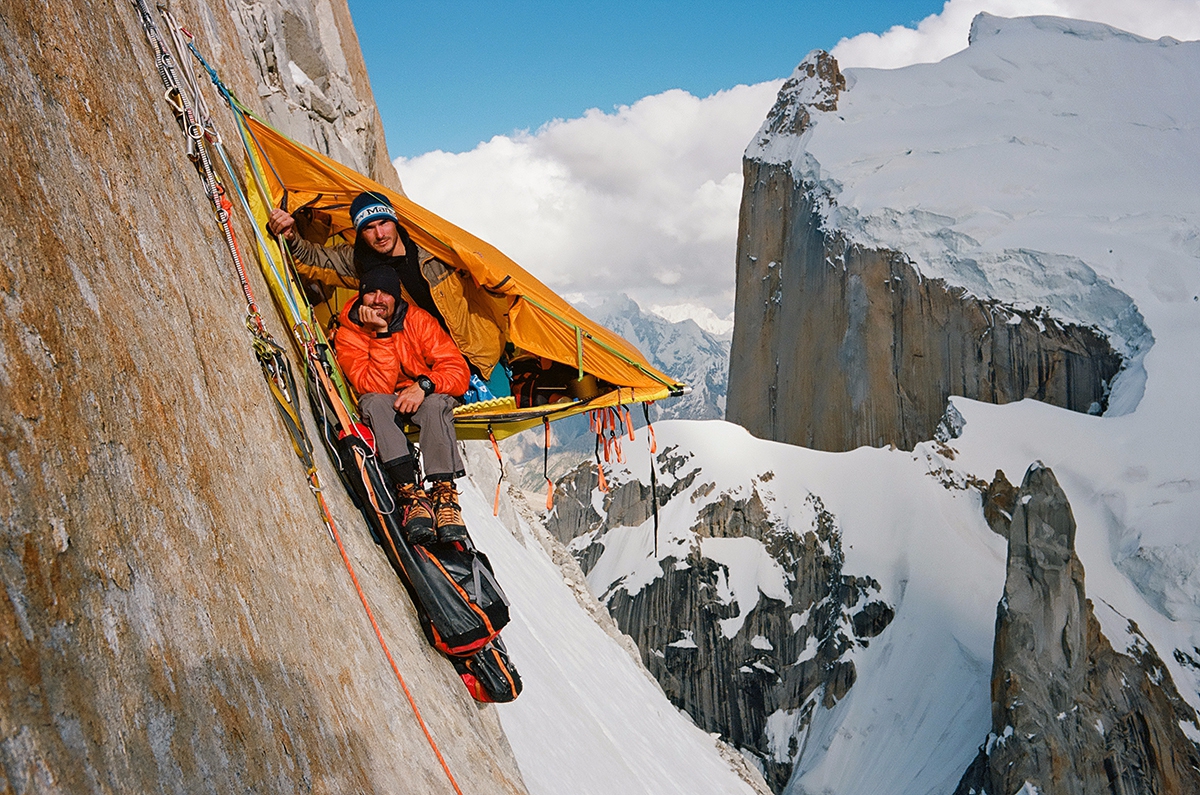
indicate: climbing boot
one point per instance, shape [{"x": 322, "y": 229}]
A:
[
  {"x": 447, "y": 516},
  {"x": 417, "y": 515}
]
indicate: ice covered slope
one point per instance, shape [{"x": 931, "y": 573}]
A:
[
  {"x": 920, "y": 705},
  {"x": 1052, "y": 163},
  {"x": 590, "y": 721}
]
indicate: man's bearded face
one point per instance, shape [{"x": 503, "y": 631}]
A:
[{"x": 381, "y": 235}]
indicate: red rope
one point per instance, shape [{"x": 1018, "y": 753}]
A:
[{"x": 337, "y": 537}]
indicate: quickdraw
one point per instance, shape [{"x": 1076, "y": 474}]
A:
[{"x": 198, "y": 129}]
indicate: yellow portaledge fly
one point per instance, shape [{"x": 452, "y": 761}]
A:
[{"x": 531, "y": 321}]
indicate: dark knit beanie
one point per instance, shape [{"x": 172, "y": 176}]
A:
[
  {"x": 383, "y": 277},
  {"x": 368, "y": 207}
]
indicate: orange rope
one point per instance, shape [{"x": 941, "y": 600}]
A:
[
  {"x": 546, "y": 467},
  {"x": 313, "y": 483},
  {"x": 496, "y": 448},
  {"x": 650, "y": 427}
]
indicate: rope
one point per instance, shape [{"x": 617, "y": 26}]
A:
[
  {"x": 193, "y": 117},
  {"x": 499, "y": 460},
  {"x": 412, "y": 702}
]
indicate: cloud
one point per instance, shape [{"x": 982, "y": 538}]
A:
[
  {"x": 643, "y": 200},
  {"x": 940, "y": 35}
]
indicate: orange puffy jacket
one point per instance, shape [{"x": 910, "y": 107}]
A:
[{"x": 416, "y": 345}]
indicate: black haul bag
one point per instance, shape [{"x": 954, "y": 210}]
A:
[
  {"x": 489, "y": 675},
  {"x": 452, "y": 585}
]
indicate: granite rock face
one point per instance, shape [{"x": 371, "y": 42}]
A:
[
  {"x": 312, "y": 82},
  {"x": 175, "y": 617},
  {"x": 1070, "y": 714},
  {"x": 838, "y": 346},
  {"x": 753, "y": 673}
]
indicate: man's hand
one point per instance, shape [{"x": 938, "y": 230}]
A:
[
  {"x": 409, "y": 399},
  {"x": 369, "y": 318},
  {"x": 281, "y": 223}
]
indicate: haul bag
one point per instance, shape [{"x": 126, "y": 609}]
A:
[
  {"x": 466, "y": 583},
  {"x": 489, "y": 675},
  {"x": 452, "y": 585}
]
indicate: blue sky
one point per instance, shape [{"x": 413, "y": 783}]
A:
[
  {"x": 642, "y": 195},
  {"x": 448, "y": 75}
]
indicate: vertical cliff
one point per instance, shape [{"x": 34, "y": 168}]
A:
[
  {"x": 175, "y": 616},
  {"x": 839, "y": 345},
  {"x": 747, "y": 619},
  {"x": 311, "y": 79},
  {"x": 1070, "y": 714}
]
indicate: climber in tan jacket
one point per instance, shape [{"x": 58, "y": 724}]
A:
[{"x": 475, "y": 319}]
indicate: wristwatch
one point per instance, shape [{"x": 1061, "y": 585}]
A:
[{"x": 426, "y": 384}]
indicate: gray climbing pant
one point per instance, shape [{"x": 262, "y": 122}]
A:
[{"x": 435, "y": 418}]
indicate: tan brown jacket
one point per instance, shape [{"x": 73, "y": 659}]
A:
[{"x": 477, "y": 320}]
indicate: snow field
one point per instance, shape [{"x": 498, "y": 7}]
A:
[{"x": 589, "y": 720}]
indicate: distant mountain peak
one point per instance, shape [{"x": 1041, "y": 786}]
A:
[{"x": 985, "y": 26}]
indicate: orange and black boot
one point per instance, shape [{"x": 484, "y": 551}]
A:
[
  {"x": 447, "y": 515},
  {"x": 417, "y": 516}
]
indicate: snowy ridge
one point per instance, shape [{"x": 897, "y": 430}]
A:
[
  {"x": 1046, "y": 165},
  {"x": 921, "y": 702},
  {"x": 590, "y": 719},
  {"x": 1052, "y": 164}
]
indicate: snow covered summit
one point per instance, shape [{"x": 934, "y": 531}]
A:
[{"x": 1052, "y": 163}]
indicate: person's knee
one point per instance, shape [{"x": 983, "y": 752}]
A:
[
  {"x": 376, "y": 405},
  {"x": 441, "y": 403}
]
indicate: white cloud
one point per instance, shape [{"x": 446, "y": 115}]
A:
[
  {"x": 644, "y": 200},
  {"x": 940, "y": 35}
]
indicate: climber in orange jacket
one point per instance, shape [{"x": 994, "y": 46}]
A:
[{"x": 406, "y": 368}]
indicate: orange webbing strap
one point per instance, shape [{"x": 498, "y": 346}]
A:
[
  {"x": 653, "y": 475},
  {"x": 615, "y": 431},
  {"x": 618, "y": 421},
  {"x": 412, "y": 702},
  {"x": 603, "y": 485},
  {"x": 496, "y": 448},
  {"x": 546, "y": 467}
]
